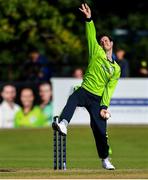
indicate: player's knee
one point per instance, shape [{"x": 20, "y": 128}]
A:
[{"x": 73, "y": 98}]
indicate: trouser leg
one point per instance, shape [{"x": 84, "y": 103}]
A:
[
  {"x": 74, "y": 100},
  {"x": 98, "y": 126},
  {"x": 101, "y": 141}
]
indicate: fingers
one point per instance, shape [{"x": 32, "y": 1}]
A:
[
  {"x": 81, "y": 10},
  {"x": 83, "y": 7},
  {"x": 86, "y": 6},
  {"x": 103, "y": 116},
  {"x": 104, "y": 113}
]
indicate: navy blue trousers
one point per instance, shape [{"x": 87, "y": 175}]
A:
[{"x": 91, "y": 102}]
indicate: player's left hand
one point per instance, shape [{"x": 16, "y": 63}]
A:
[{"x": 85, "y": 9}]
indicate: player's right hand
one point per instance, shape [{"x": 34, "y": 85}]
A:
[
  {"x": 103, "y": 113},
  {"x": 86, "y": 10}
]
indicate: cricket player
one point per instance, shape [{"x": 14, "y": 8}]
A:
[{"x": 96, "y": 90}]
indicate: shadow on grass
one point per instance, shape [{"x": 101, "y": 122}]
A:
[{"x": 7, "y": 170}]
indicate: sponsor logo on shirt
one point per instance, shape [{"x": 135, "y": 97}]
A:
[
  {"x": 33, "y": 119},
  {"x": 110, "y": 70}
]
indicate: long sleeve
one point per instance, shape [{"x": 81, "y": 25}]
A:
[
  {"x": 93, "y": 46},
  {"x": 109, "y": 89}
]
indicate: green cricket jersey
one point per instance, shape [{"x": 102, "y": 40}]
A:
[
  {"x": 35, "y": 118},
  {"x": 102, "y": 75}
]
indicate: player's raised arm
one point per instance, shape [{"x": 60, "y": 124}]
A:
[{"x": 93, "y": 45}]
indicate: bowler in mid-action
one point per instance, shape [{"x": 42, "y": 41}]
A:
[{"x": 96, "y": 90}]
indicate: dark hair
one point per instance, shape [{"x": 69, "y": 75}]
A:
[
  {"x": 33, "y": 49},
  {"x": 102, "y": 35},
  {"x": 28, "y": 88},
  {"x": 7, "y": 84},
  {"x": 76, "y": 68},
  {"x": 45, "y": 83},
  {"x": 119, "y": 49}
]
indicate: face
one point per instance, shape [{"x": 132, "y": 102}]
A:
[
  {"x": 9, "y": 93},
  {"x": 45, "y": 92},
  {"x": 34, "y": 56},
  {"x": 27, "y": 97},
  {"x": 120, "y": 54},
  {"x": 105, "y": 43},
  {"x": 78, "y": 74}
]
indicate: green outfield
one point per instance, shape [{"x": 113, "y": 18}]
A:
[{"x": 28, "y": 153}]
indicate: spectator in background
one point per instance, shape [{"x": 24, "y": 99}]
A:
[
  {"x": 8, "y": 108},
  {"x": 45, "y": 92},
  {"x": 123, "y": 63},
  {"x": 143, "y": 69},
  {"x": 29, "y": 115},
  {"x": 37, "y": 68},
  {"x": 78, "y": 73}
]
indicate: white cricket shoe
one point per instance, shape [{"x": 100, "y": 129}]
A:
[
  {"x": 61, "y": 127},
  {"x": 106, "y": 164}
]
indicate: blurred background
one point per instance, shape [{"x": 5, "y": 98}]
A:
[
  {"x": 41, "y": 40},
  {"x": 43, "y": 57}
]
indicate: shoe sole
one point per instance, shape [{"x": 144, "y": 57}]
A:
[
  {"x": 57, "y": 128},
  {"x": 109, "y": 168}
]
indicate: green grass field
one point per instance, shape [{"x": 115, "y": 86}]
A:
[{"x": 28, "y": 153}]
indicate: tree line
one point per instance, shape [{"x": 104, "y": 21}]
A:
[{"x": 57, "y": 29}]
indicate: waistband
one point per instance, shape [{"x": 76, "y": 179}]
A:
[{"x": 90, "y": 93}]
